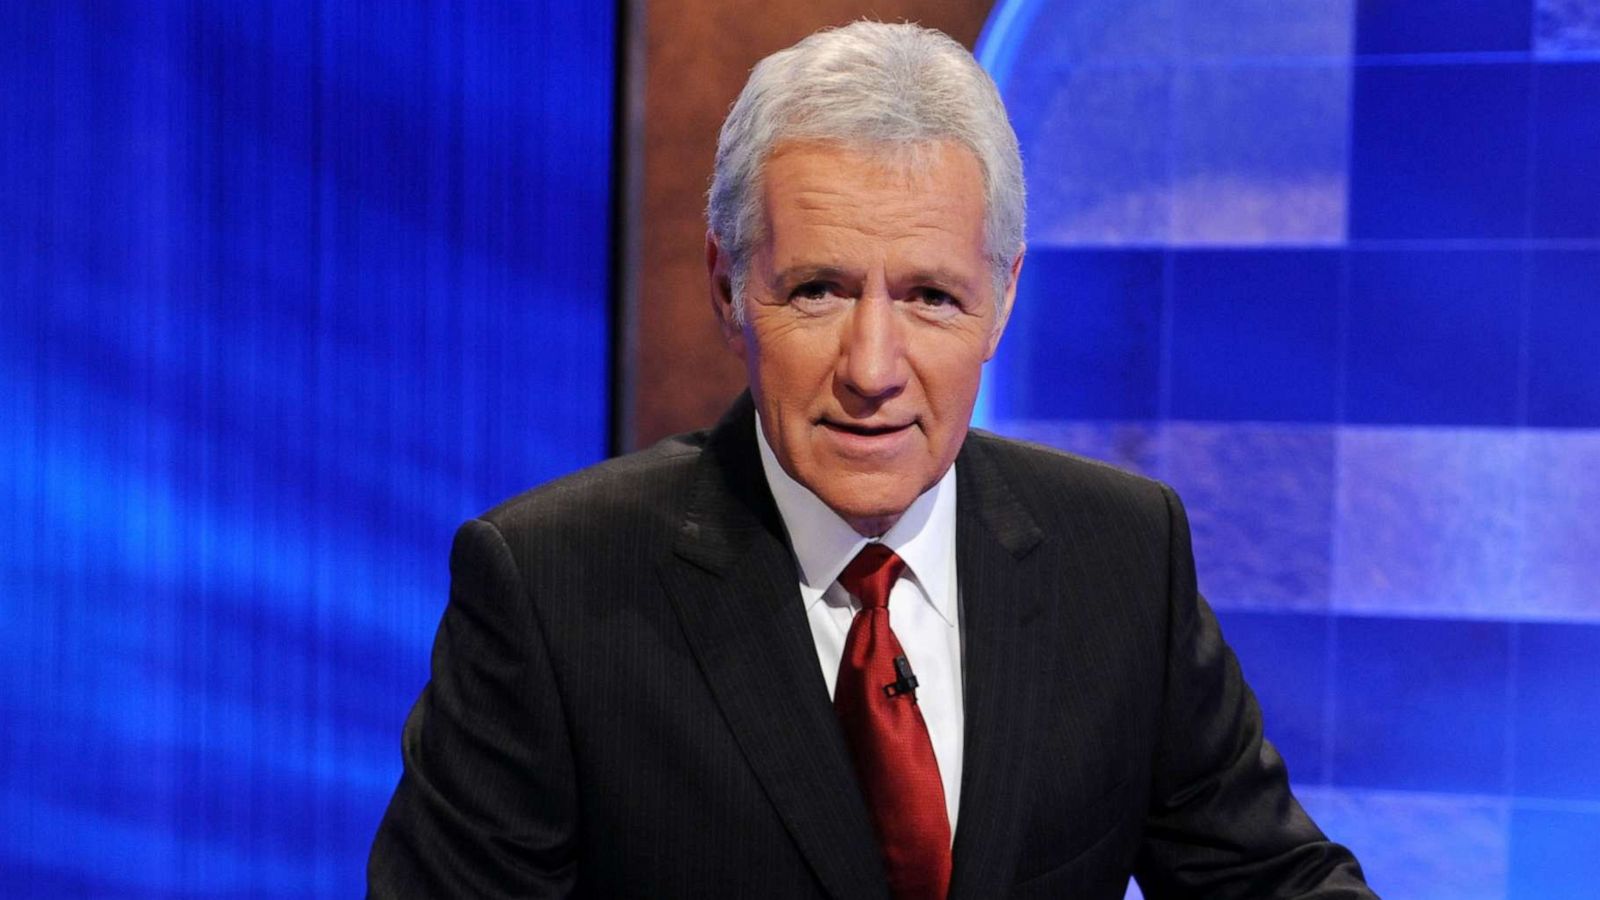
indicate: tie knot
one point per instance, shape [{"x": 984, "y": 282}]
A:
[{"x": 871, "y": 575}]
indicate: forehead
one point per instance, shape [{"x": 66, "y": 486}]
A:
[{"x": 835, "y": 198}]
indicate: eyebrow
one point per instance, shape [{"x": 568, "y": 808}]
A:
[
  {"x": 939, "y": 277},
  {"x": 804, "y": 273},
  {"x": 942, "y": 278}
]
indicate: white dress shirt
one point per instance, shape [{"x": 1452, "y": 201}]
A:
[{"x": 924, "y": 609}]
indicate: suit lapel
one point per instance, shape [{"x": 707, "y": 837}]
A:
[
  {"x": 1000, "y": 603},
  {"x": 733, "y": 583}
]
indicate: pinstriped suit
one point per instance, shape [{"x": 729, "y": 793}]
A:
[{"x": 626, "y": 700}]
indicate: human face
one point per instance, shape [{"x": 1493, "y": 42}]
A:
[{"x": 870, "y": 310}]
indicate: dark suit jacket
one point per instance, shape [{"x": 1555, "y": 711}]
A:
[{"x": 626, "y": 700}]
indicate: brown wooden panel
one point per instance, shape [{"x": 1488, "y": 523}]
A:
[{"x": 691, "y": 57}]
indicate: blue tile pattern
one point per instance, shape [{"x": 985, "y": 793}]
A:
[
  {"x": 1566, "y": 27},
  {"x": 1553, "y": 852},
  {"x": 1266, "y": 319},
  {"x": 1420, "y": 846},
  {"x": 1561, "y": 534},
  {"x": 1434, "y": 337},
  {"x": 1260, "y": 501},
  {"x": 1282, "y": 655},
  {"x": 1090, "y": 33},
  {"x": 1421, "y": 704},
  {"x": 1099, "y": 159},
  {"x": 1226, "y": 30},
  {"x": 1440, "y": 151},
  {"x": 1126, "y": 444},
  {"x": 1364, "y": 345},
  {"x": 1557, "y": 728},
  {"x": 1563, "y": 335},
  {"x": 1281, "y": 182},
  {"x": 1566, "y": 158},
  {"x": 1428, "y": 522},
  {"x": 1442, "y": 26},
  {"x": 1089, "y": 342}
]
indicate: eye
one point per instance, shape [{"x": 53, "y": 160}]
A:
[
  {"x": 810, "y": 290},
  {"x": 816, "y": 297},
  {"x": 936, "y": 303}
]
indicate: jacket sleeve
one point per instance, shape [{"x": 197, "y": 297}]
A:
[
  {"x": 486, "y": 805},
  {"x": 1222, "y": 822}
]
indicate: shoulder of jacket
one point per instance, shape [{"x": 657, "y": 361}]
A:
[
  {"x": 637, "y": 487},
  {"x": 1041, "y": 465}
]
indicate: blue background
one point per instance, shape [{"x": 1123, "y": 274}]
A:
[
  {"x": 286, "y": 292},
  {"x": 1332, "y": 268}
]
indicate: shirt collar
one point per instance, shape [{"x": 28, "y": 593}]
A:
[{"x": 824, "y": 543}]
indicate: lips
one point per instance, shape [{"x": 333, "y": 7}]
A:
[
  {"x": 864, "y": 430},
  {"x": 867, "y": 443}
]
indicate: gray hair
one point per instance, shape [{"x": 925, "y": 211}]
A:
[{"x": 866, "y": 83}]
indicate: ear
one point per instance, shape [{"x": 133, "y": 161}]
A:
[
  {"x": 1006, "y": 299},
  {"x": 719, "y": 275}
]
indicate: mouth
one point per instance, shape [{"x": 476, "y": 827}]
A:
[
  {"x": 864, "y": 430},
  {"x": 868, "y": 443}
]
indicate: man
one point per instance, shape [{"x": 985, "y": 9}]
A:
[{"x": 677, "y": 673}]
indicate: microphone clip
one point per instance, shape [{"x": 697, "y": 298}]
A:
[{"x": 905, "y": 681}]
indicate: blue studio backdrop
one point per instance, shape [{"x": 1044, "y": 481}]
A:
[
  {"x": 1332, "y": 269},
  {"x": 287, "y": 290}
]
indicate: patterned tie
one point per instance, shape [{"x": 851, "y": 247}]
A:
[{"x": 877, "y": 706}]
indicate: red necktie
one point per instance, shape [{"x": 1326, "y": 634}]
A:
[{"x": 888, "y": 739}]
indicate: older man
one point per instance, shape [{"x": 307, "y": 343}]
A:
[{"x": 840, "y": 646}]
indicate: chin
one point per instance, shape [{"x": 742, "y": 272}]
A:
[{"x": 883, "y": 504}]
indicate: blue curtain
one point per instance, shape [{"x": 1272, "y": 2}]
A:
[{"x": 287, "y": 290}]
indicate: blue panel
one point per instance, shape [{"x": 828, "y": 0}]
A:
[
  {"x": 1260, "y": 501},
  {"x": 1561, "y": 542},
  {"x": 1440, "y": 151},
  {"x": 1429, "y": 521},
  {"x": 1259, "y": 154},
  {"x": 1558, "y": 728},
  {"x": 1134, "y": 446},
  {"x": 1566, "y": 163},
  {"x": 1553, "y": 853},
  {"x": 1255, "y": 335},
  {"x": 1434, "y": 337},
  {"x": 286, "y": 291},
  {"x": 1096, "y": 150},
  {"x": 1420, "y": 846},
  {"x": 1447, "y": 476},
  {"x": 1421, "y": 705},
  {"x": 1439, "y": 26},
  {"x": 1086, "y": 33},
  {"x": 1285, "y": 660},
  {"x": 1566, "y": 27},
  {"x": 1564, "y": 338},
  {"x": 1084, "y": 339},
  {"x": 1254, "y": 29}
]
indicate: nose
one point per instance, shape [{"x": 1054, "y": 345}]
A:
[{"x": 872, "y": 353}]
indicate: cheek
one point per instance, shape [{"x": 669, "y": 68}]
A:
[
  {"x": 951, "y": 374},
  {"x": 796, "y": 366}
]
